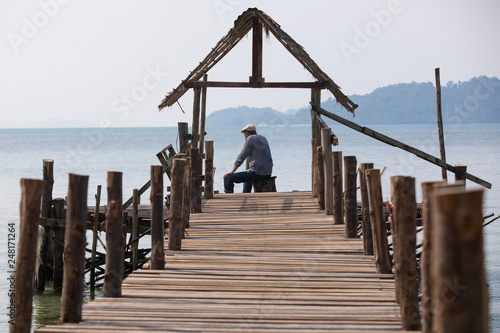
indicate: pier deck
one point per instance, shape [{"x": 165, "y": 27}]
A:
[{"x": 268, "y": 262}]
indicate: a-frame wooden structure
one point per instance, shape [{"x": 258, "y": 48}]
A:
[{"x": 257, "y": 21}]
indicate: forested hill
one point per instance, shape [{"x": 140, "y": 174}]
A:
[{"x": 473, "y": 101}]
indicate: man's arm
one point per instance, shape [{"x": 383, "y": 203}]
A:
[{"x": 232, "y": 171}]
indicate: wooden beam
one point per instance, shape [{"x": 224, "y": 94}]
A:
[
  {"x": 222, "y": 84},
  {"x": 440, "y": 122},
  {"x": 398, "y": 144}
]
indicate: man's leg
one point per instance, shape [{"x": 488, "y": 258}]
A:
[{"x": 237, "y": 177}]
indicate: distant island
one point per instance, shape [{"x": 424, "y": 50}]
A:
[{"x": 473, "y": 101}]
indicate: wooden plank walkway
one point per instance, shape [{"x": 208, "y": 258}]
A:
[{"x": 267, "y": 262}]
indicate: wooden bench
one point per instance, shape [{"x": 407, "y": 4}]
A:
[{"x": 265, "y": 185}]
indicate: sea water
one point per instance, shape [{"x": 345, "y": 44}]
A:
[{"x": 95, "y": 151}]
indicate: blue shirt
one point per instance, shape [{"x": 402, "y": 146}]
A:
[{"x": 257, "y": 150}]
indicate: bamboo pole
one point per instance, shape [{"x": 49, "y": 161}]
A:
[
  {"x": 404, "y": 248},
  {"x": 183, "y": 132},
  {"x": 22, "y": 277},
  {"x": 135, "y": 231},
  {"x": 176, "y": 222},
  {"x": 338, "y": 194},
  {"x": 428, "y": 189},
  {"x": 351, "y": 202},
  {"x": 209, "y": 170},
  {"x": 195, "y": 189},
  {"x": 398, "y": 144},
  {"x": 58, "y": 246},
  {"x": 157, "y": 227},
  {"x": 321, "y": 178},
  {"x": 195, "y": 127},
  {"x": 95, "y": 222},
  {"x": 327, "y": 158},
  {"x": 459, "y": 290},
  {"x": 440, "y": 122},
  {"x": 74, "y": 249},
  {"x": 115, "y": 241},
  {"x": 44, "y": 272},
  {"x": 377, "y": 221},
  {"x": 365, "y": 210}
]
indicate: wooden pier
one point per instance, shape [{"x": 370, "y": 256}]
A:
[{"x": 254, "y": 262}]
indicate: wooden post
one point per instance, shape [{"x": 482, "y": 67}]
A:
[
  {"x": 195, "y": 127},
  {"x": 195, "y": 182},
  {"x": 365, "y": 210},
  {"x": 58, "y": 246},
  {"x": 176, "y": 222},
  {"x": 157, "y": 227},
  {"x": 377, "y": 221},
  {"x": 321, "y": 178},
  {"x": 405, "y": 249},
  {"x": 256, "y": 78},
  {"x": 94, "y": 237},
  {"x": 460, "y": 172},
  {"x": 115, "y": 240},
  {"x": 459, "y": 290},
  {"x": 316, "y": 138},
  {"x": 338, "y": 194},
  {"x": 428, "y": 189},
  {"x": 351, "y": 202},
  {"x": 203, "y": 116},
  {"x": 182, "y": 128},
  {"x": 21, "y": 305},
  {"x": 209, "y": 170},
  {"x": 314, "y": 169},
  {"x": 327, "y": 158},
  {"x": 135, "y": 231},
  {"x": 44, "y": 272},
  {"x": 440, "y": 122},
  {"x": 74, "y": 249}
]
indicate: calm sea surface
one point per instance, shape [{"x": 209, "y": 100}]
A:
[{"x": 132, "y": 151}]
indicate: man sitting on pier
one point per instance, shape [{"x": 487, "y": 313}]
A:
[{"x": 257, "y": 150}]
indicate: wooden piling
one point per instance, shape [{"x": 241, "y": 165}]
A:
[
  {"x": 321, "y": 178},
  {"x": 203, "y": 115},
  {"x": 58, "y": 245},
  {"x": 314, "y": 169},
  {"x": 176, "y": 222},
  {"x": 327, "y": 158},
  {"x": 365, "y": 210},
  {"x": 22, "y": 277},
  {"x": 351, "y": 202},
  {"x": 428, "y": 189},
  {"x": 157, "y": 226},
  {"x": 44, "y": 272},
  {"x": 195, "y": 125},
  {"x": 338, "y": 194},
  {"x": 377, "y": 221},
  {"x": 115, "y": 241},
  {"x": 183, "y": 132},
  {"x": 195, "y": 182},
  {"x": 135, "y": 231},
  {"x": 95, "y": 222},
  {"x": 404, "y": 248},
  {"x": 74, "y": 249},
  {"x": 440, "y": 122},
  {"x": 209, "y": 170},
  {"x": 459, "y": 290},
  {"x": 460, "y": 172}
]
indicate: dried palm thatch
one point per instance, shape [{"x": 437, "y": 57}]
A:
[{"x": 242, "y": 25}]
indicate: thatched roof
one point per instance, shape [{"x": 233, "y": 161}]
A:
[{"x": 242, "y": 26}]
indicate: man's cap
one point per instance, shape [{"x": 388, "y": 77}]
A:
[{"x": 249, "y": 128}]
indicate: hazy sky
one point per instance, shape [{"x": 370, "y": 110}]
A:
[{"x": 110, "y": 63}]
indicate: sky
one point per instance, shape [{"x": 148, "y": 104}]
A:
[{"x": 110, "y": 63}]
